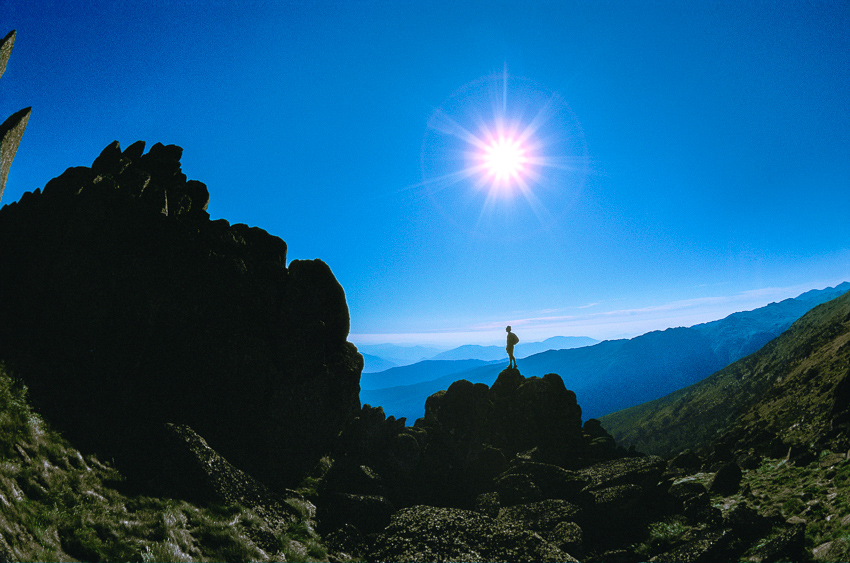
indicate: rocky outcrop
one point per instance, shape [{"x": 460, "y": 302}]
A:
[
  {"x": 466, "y": 441},
  {"x": 509, "y": 473},
  {"x": 130, "y": 308},
  {"x": 194, "y": 471},
  {"x": 12, "y": 129}
]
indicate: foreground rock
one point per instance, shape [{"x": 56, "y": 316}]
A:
[
  {"x": 424, "y": 533},
  {"x": 509, "y": 473},
  {"x": 119, "y": 292}
]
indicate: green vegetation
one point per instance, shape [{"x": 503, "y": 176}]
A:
[
  {"x": 786, "y": 389},
  {"x": 816, "y": 494},
  {"x": 664, "y": 536},
  {"x": 59, "y": 505}
]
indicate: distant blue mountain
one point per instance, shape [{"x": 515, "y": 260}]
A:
[
  {"x": 396, "y": 354},
  {"x": 523, "y": 349},
  {"x": 416, "y": 373},
  {"x": 374, "y": 363},
  {"x": 616, "y": 374}
]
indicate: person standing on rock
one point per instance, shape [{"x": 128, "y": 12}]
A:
[{"x": 512, "y": 339}]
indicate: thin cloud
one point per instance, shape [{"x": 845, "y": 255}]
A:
[{"x": 615, "y": 323}]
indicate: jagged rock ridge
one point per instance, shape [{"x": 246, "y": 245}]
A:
[
  {"x": 130, "y": 308},
  {"x": 509, "y": 473}
]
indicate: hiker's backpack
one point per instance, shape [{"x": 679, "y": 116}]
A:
[{"x": 514, "y": 338}]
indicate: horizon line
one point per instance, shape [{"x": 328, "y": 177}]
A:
[{"x": 612, "y": 324}]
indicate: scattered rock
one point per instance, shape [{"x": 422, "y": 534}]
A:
[
  {"x": 568, "y": 537},
  {"x": 727, "y": 480},
  {"x": 835, "y": 550},
  {"x": 425, "y": 533},
  {"x": 686, "y": 460}
]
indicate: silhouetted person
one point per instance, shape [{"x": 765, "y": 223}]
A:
[{"x": 512, "y": 339}]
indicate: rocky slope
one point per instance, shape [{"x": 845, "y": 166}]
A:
[
  {"x": 61, "y": 505},
  {"x": 509, "y": 473},
  {"x": 125, "y": 307}
]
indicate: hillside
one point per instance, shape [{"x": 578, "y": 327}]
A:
[
  {"x": 373, "y": 364},
  {"x": 61, "y": 505},
  {"x": 792, "y": 392},
  {"x": 616, "y": 374}
]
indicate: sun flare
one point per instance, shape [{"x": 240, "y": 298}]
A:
[
  {"x": 508, "y": 147},
  {"x": 504, "y": 159}
]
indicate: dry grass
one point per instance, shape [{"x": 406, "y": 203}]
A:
[{"x": 60, "y": 506}]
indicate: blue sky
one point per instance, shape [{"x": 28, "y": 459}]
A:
[{"x": 690, "y": 159}]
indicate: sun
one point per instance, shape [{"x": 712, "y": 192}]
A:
[
  {"x": 501, "y": 156},
  {"x": 504, "y": 159}
]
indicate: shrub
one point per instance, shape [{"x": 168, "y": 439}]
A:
[{"x": 793, "y": 506}]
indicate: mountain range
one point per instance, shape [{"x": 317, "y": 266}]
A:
[
  {"x": 614, "y": 374},
  {"x": 381, "y": 357},
  {"x": 793, "y": 391}
]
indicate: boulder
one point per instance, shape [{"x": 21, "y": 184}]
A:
[
  {"x": 489, "y": 504},
  {"x": 369, "y": 513},
  {"x": 541, "y": 516},
  {"x": 685, "y": 490},
  {"x": 709, "y": 546},
  {"x": 686, "y": 460},
  {"x": 641, "y": 471},
  {"x": 194, "y": 471},
  {"x": 786, "y": 543},
  {"x": 552, "y": 481},
  {"x": 11, "y": 132},
  {"x": 835, "y": 550},
  {"x": 568, "y": 537},
  {"x": 425, "y": 533},
  {"x": 727, "y": 480}
]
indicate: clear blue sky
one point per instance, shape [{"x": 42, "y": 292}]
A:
[{"x": 692, "y": 158}]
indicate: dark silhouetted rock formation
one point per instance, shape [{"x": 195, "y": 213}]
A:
[
  {"x": 129, "y": 308},
  {"x": 12, "y": 129},
  {"x": 467, "y": 438},
  {"x": 508, "y": 473}
]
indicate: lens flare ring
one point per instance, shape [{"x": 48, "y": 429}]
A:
[{"x": 503, "y": 137}]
